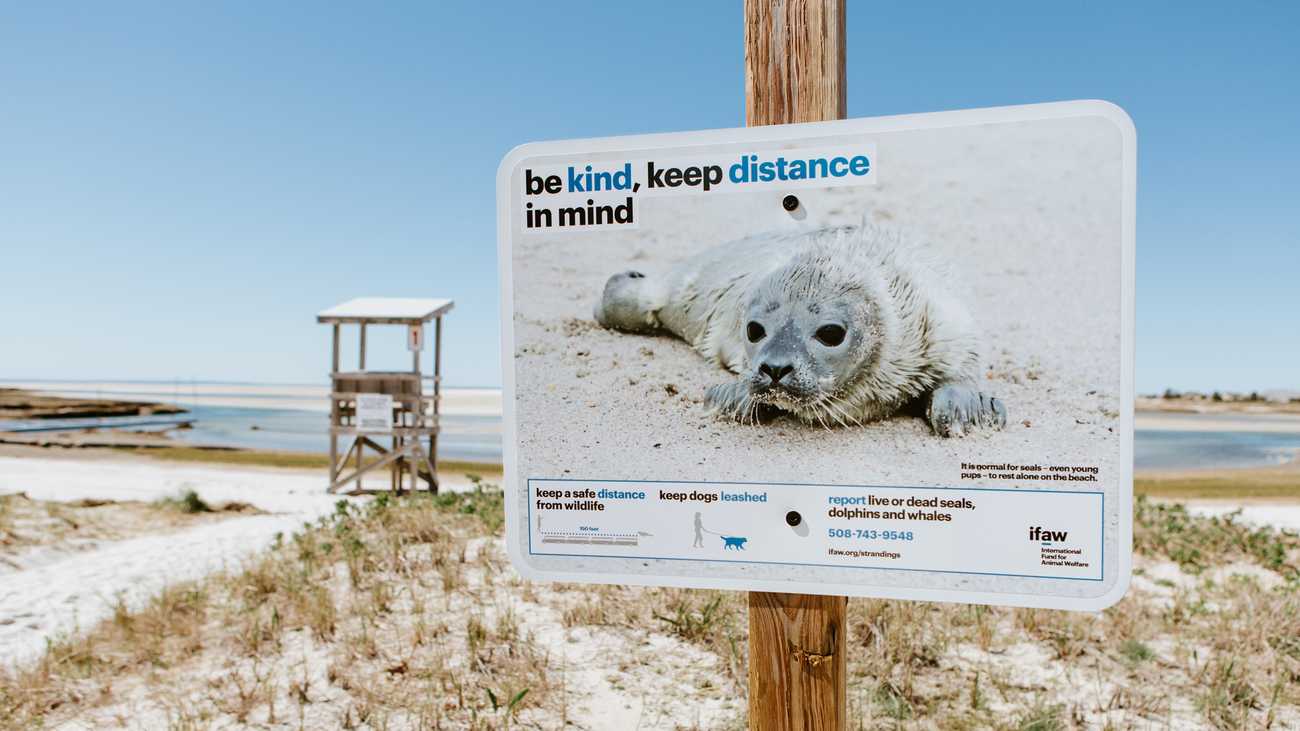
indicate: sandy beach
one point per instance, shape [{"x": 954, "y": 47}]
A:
[
  {"x": 57, "y": 589},
  {"x": 67, "y": 587},
  {"x": 1265, "y": 422}
]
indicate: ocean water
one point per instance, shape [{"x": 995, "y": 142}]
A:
[
  {"x": 478, "y": 439},
  {"x": 467, "y": 438},
  {"x": 1196, "y": 450},
  {"x": 273, "y": 416},
  {"x": 289, "y": 417}
]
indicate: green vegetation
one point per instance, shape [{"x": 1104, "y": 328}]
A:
[
  {"x": 484, "y": 501},
  {"x": 1196, "y": 543},
  {"x": 415, "y": 619},
  {"x": 187, "y": 502}
]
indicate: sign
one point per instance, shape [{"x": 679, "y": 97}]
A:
[
  {"x": 374, "y": 412},
  {"x": 415, "y": 338},
  {"x": 877, "y": 357}
]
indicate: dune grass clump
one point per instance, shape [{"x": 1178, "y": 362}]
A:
[
  {"x": 484, "y": 501},
  {"x": 186, "y": 502},
  {"x": 6, "y": 519}
]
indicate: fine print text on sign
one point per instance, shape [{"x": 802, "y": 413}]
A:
[
  {"x": 1041, "y": 534},
  {"x": 374, "y": 412},
  {"x": 877, "y": 357}
]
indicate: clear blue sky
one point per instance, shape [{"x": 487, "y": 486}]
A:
[{"x": 183, "y": 185}]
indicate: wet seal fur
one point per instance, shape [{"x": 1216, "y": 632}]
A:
[{"x": 833, "y": 325}]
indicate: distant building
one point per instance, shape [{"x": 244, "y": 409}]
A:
[{"x": 1281, "y": 396}]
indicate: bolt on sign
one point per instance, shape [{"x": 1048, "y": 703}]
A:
[{"x": 884, "y": 357}]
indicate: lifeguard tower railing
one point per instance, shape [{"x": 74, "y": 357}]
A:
[{"x": 367, "y": 407}]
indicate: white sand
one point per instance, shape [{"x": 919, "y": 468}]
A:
[
  {"x": 455, "y": 401},
  {"x": 1278, "y": 516},
  {"x": 66, "y": 586},
  {"x": 73, "y": 586},
  {"x": 1026, "y": 216},
  {"x": 1223, "y": 422}
]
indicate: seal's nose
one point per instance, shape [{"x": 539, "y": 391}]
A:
[{"x": 775, "y": 372}]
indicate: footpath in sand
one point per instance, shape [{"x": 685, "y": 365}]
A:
[{"x": 56, "y": 589}]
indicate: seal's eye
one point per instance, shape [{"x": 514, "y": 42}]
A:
[
  {"x": 635, "y": 275},
  {"x": 754, "y": 332},
  {"x": 829, "y": 335}
]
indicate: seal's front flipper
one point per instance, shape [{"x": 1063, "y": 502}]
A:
[
  {"x": 955, "y": 410},
  {"x": 731, "y": 400}
]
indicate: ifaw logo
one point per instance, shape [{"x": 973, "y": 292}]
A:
[{"x": 1036, "y": 533}]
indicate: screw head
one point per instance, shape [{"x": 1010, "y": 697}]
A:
[
  {"x": 790, "y": 203},
  {"x": 793, "y": 517}
]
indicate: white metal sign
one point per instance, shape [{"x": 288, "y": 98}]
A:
[
  {"x": 415, "y": 338},
  {"x": 882, "y": 357},
  {"x": 374, "y": 412}
]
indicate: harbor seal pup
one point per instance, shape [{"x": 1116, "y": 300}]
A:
[{"x": 833, "y": 325}]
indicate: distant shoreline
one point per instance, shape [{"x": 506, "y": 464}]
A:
[
  {"x": 197, "y": 395},
  {"x": 23, "y": 405},
  {"x": 1197, "y": 404}
]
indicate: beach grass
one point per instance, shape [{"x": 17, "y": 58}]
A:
[
  {"x": 1254, "y": 483},
  {"x": 403, "y": 613}
]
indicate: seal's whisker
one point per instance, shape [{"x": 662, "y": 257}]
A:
[
  {"x": 819, "y": 415},
  {"x": 823, "y": 409},
  {"x": 835, "y": 404},
  {"x": 830, "y": 408}
]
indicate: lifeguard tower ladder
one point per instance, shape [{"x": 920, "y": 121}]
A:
[{"x": 368, "y": 405}]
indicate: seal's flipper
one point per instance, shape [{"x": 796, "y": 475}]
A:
[
  {"x": 631, "y": 301},
  {"x": 955, "y": 410}
]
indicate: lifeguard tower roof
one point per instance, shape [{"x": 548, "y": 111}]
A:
[{"x": 385, "y": 311}]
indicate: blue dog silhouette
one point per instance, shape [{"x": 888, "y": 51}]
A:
[{"x": 733, "y": 542}]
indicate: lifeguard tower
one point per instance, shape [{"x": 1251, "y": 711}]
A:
[{"x": 366, "y": 406}]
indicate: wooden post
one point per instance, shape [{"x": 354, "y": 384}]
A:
[
  {"x": 437, "y": 397},
  {"x": 336, "y": 350},
  {"x": 794, "y": 61},
  {"x": 334, "y": 410},
  {"x": 794, "y": 72}
]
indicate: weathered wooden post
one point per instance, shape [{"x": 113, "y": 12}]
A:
[{"x": 794, "y": 72}]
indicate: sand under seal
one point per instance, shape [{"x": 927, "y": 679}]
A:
[{"x": 1026, "y": 213}]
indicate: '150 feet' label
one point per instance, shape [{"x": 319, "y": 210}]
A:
[{"x": 1049, "y": 534}]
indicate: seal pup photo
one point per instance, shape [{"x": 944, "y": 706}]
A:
[{"x": 834, "y": 325}]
